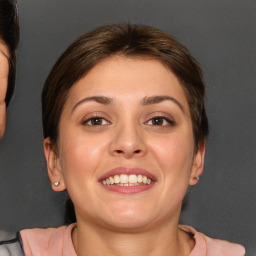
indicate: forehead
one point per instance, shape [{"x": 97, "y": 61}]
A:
[
  {"x": 126, "y": 79},
  {"x": 132, "y": 74}
]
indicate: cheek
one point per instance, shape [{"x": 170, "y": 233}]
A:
[
  {"x": 80, "y": 155},
  {"x": 175, "y": 155}
]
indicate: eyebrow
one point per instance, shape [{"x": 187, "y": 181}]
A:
[
  {"x": 145, "y": 101},
  {"x": 158, "y": 99},
  {"x": 99, "y": 99}
]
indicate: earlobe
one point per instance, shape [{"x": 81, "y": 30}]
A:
[
  {"x": 198, "y": 165},
  {"x": 53, "y": 166}
]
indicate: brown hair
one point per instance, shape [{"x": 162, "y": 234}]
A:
[
  {"x": 127, "y": 40},
  {"x": 9, "y": 34}
]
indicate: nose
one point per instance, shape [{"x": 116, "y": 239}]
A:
[{"x": 128, "y": 142}]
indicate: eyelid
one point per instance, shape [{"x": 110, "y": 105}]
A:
[
  {"x": 92, "y": 115},
  {"x": 167, "y": 117},
  {"x": 86, "y": 122},
  {"x": 159, "y": 114},
  {"x": 169, "y": 122}
]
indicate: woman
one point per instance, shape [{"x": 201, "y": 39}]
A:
[
  {"x": 9, "y": 38},
  {"x": 125, "y": 128}
]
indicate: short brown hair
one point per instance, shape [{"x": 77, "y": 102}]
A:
[{"x": 127, "y": 40}]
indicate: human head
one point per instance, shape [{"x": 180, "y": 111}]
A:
[
  {"x": 130, "y": 41},
  {"x": 9, "y": 38}
]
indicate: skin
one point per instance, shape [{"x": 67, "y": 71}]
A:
[
  {"x": 126, "y": 224},
  {"x": 4, "y": 71}
]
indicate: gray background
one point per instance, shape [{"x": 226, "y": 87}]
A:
[{"x": 222, "y": 37}]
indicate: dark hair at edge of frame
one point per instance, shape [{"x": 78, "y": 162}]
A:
[
  {"x": 10, "y": 35},
  {"x": 126, "y": 40},
  {"x": 69, "y": 214}
]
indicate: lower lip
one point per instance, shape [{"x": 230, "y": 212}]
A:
[{"x": 128, "y": 189}]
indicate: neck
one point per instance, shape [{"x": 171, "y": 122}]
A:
[{"x": 90, "y": 239}]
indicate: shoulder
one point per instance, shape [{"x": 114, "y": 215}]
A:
[
  {"x": 213, "y": 247},
  {"x": 10, "y": 244},
  {"x": 47, "y": 241},
  {"x": 222, "y": 247}
]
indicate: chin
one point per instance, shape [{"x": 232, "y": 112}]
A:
[
  {"x": 130, "y": 225},
  {"x": 129, "y": 220}
]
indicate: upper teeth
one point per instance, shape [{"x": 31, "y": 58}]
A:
[{"x": 127, "y": 180}]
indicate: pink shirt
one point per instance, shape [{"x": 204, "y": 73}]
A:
[{"x": 57, "y": 242}]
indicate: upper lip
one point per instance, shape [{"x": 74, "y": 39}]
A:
[{"x": 127, "y": 171}]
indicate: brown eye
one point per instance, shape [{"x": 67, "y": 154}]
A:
[
  {"x": 96, "y": 121},
  {"x": 160, "y": 121}
]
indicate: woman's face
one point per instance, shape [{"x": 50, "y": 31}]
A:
[
  {"x": 4, "y": 71},
  {"x": 126, "y": 148}
]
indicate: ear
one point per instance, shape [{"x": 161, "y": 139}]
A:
[
  {"x": 198, "y": 165},
  {"x": 53, "y": 166}
]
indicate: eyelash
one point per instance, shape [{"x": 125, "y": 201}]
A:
[
  {"x": 94, "y": 118},
  {"x": 163, "y": 119}
]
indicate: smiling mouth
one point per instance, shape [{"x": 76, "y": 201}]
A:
[{"x": 127, "y": 180}]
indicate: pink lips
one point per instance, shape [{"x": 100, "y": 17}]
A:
[{"x": 127, "y": 189}]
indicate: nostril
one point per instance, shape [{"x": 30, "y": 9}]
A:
[{"x": 119, "y": 151}]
